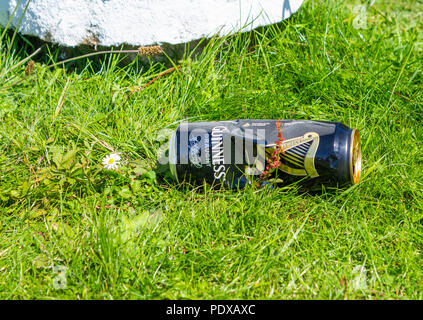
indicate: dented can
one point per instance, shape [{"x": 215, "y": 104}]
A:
[{"x": 239, "y": 152}]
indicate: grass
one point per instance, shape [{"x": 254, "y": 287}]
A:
[{"x": 135, "y": 234}]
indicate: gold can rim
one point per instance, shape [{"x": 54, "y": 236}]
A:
[{"x": 355, "y": 157}]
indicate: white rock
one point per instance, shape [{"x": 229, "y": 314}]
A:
[{"x": 141, "y": 22}]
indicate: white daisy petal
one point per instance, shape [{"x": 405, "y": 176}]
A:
[
  {"x": 105, "y": 160},
  {"x": 111, "y": 162}
]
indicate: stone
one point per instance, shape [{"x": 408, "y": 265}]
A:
[{"x": 111, "y": 23}]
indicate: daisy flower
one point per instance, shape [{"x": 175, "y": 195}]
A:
[{"x": 112, "y": 161}]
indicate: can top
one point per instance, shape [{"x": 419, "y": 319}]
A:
[{"x": 355, "y": 157}]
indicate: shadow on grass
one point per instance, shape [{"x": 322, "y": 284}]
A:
[
  {"x": 304, "y": 186},
  {"x": 51, "y": 53}
]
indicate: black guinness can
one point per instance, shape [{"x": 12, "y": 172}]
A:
[{"x": 236, "y": 153}]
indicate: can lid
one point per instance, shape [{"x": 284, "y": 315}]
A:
[
  {"x": 355, "y": 157},
  {"x": 172, "y": 156}
]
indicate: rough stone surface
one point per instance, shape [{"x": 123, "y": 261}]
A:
[{"x": 141, "y": 22}]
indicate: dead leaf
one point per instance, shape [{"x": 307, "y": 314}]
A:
[{"x": 29, "y": 69}]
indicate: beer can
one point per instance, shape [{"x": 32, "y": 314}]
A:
[{"x": 240, "y": 152}]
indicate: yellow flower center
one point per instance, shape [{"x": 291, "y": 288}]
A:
[{"x": 111, "y": 161}]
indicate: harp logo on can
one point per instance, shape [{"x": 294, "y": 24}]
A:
[{"x": 195, "y": 152}]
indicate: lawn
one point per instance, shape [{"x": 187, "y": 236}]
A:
[{"x": 70, "y": 229}]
